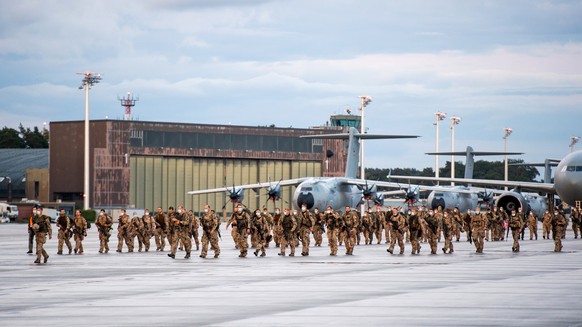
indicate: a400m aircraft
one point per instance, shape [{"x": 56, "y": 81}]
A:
[
  {"x": 320, "y": 192},
  {"x": 567, "y": 185}
]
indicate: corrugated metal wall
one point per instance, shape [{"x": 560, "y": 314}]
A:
[{"x": 164, "y": 181}]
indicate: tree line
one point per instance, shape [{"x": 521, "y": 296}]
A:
[{"x": 24, "y": 138}]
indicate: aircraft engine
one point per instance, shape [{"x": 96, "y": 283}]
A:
[
  {"x": 379, "y": 199},
  {"x": 274, "y": 192},
  {"x": 235, "y": 194},
  {"x": 368, "y": 191},
  {"x": 512, "y": 201}
]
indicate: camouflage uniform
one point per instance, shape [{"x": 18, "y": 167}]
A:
[
  {"x": 210, "y": 224},
  {"x": 415, "y": 232},
  {"x": 350, "y": 226},
  {"x": 148, "y": 230},
  {"x": 318, "y": 228},
  {"x": 194, "y": 231},
  {"x": 397, "y": 225},
  {"x": 241, "y": 222},
  {"x": 521, "y": 216},
  {"x": 64, "y": 227},
  {"x": 41, "y": 226},
  {"x": 124, "y": 232},
  {"x": 268, "y": 228},
  {"x": 575, "y": 217},
  {"x": 497, "y": 224},
  {"x": 559, "y": 224},
  {"x": 277, "y": 231},
  {"x": 378, "y": 224},
  {"x": 305, "y": 230},
  {"x": 479, "y": 228},
  {"x": 161, "y": 222},
  {"x": 387, "y": 226},
  {"x": 457, "y": 224},
  {"x": 448, "y": 232},
  {"x": 467, "y": 225},
  {"x": 532, "y": 225},
  {"x": 180, "y": 228},
  {"x": 516, "y": 225},
  {"x": 289, "y": 227},
  {"x": 138, "y": 230},
  {"x": 333, "y": 224},
  {"x": 79, "y": 232},
  {"x": 432, "y": 229},
  {"x": 260, "y": 227},
  {"x": 366, "y": 224},
  {"x": 546, "y": 225},
  {"x": 104, "y": 223}
]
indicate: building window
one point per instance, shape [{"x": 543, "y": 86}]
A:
[{"x": 36, "y": 190}]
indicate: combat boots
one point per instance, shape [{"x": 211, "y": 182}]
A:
[
  {"x": 46, "y": 259},
  {"x": 187, "y": 256},
  {"x": 171, "y": 256}
]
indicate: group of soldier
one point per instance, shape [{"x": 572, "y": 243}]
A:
[{"x": 291, "y": 228}]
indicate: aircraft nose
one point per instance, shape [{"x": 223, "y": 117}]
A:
[
  {"x": 305, "y": 198},
  {"x": 437, "y": 202}
]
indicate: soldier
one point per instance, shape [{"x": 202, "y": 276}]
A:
[
  {"x": 269, "y": 226},
  {"x": 161, "y": 222},
  {"x": 415, "y": 231},
  {"x": 504, "y": 222},
  {"x": 64, "y": 227},
  {"x": 288, "y": 227},
  {"x": 232, "y": 222},
  {"x": 124, "y": 232},
  {"x": 532, "y": 225},
  {"x": 406, "y": 228},
  {"x": 521, "y": 216},
  {"x": 496, "y": 225},
  {"x": 489, "y": 225},
  {"x": 440, "y": 217},
  {"x": 378, "y": 224},
  {"x": 41, "y": 226},
  {"x": 479, "y": 228},
  {"x": 422, "y": 214},
  {"x": 546, "y": 224},
  {"x": 387, "y": 225},
  {"x": 180, "y": 228},
  {"x": 333, "y": 224},
  {"x": 194, "y": 231},
  {"x": 138, "y": 230},
  {"x": 104, "y": 223},
  {"x": 30, "y": 230},
  {"x": 576, "y": 219},
  {"x": 448, "y": 231},
  {"x": 79, "y": 231},
  {"x": 240, "y": 220},
  {"x": 318, "y": 227},
  {"x": 171, "y": 214},
  {"x": 259, "y": 226},
  {"x": 277, "y": 231},
  {"x": 305, "y": 229},
  {"x": 148, "y": 229},
  {"x": 350, "y": 226},
  {"x": 366, "y": 223},
  {"x": 467, "y": 225},
  {"x": 457, "y": 224},
  {"x": 210, "y": 230},
  {"x": 559, "y": 224},
  {"x": 397, "y": 225},
  {"x": 516, "y": 225},
  {"x": 432, "y": 229}
]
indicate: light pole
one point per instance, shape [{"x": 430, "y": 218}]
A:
[
  {"x": 506, "y": 132},
  {"x": 454, "y": 121},
  {"x": 439, "y": 116},
  {"x": 365, "y": 101},
  {"x": 573, "y": 141},
  {"x": 2, "y": 178},
  {"x": 89, "y": 80}
]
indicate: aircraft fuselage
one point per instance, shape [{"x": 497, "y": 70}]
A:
[{"x": 322, "y": 192}]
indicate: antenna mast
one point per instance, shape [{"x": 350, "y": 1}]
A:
[{"x": 127, "y": 103}]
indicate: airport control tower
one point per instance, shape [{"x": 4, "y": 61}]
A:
[{"x": 345, "y": 121}]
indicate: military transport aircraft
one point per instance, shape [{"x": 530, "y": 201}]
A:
[
  {"x": 463, "y": 197},
  {"x": 567, "y": 185},
  {"x": 320, "y": 192}
]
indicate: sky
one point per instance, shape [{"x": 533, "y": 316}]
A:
[{"x": 494, "y": 64}]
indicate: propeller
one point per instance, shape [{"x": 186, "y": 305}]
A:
[
  {"x": 486, "y": 197},
  {"x": 411, "y": 195},
  {"x": 235, "y": 195},
  {"x": 368, "y": 191}
]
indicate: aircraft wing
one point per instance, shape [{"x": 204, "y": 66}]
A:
[
  {"x": 534, "y": 186},
  {"x": 361, "y": 182},
  {"x": 287, "y": 182}
]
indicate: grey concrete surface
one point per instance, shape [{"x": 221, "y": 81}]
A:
[{"x": 536, "y": 287}]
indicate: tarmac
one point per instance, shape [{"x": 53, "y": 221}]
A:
[{"x": 535, "y": 287}]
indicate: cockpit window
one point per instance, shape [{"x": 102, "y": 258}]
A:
[
  {"x": 438, "y": 194},
  {"x": 306, "y": 189},
  {"x": 578, "y": 168},
  {"x": 572, "y": 168}
]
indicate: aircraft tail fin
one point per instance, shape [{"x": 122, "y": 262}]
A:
[{"x": 354, "y": 137}]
